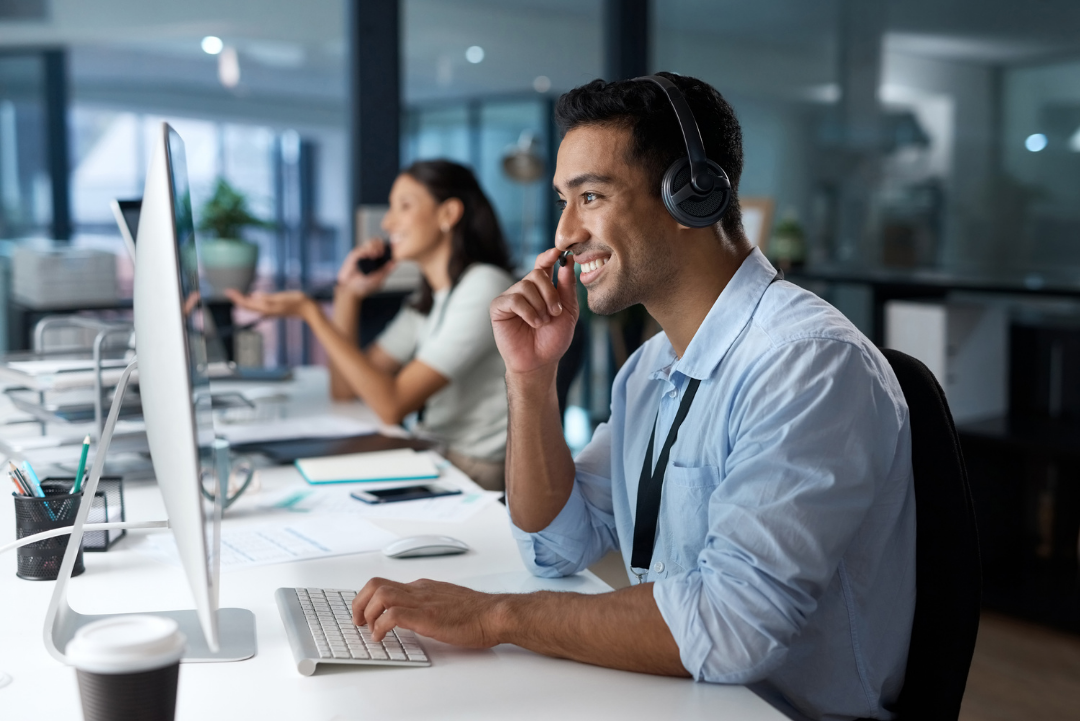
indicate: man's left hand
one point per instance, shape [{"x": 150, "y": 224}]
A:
[{"x": 442, "y": 611}]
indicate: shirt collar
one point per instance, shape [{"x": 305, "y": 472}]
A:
[{"x": 725, "y": 321}]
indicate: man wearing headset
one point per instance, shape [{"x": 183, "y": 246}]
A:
[{"x": 756, "y": 469}]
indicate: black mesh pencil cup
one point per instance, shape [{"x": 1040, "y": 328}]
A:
[{"x": 41, "y": 561}]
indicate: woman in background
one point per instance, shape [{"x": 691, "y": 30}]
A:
[{"x": 437, "y": 355}]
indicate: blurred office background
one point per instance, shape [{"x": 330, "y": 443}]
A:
[{"x": 896, "y": 151}]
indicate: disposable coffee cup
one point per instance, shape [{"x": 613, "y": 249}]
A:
[{"x": 128, "y": 667}]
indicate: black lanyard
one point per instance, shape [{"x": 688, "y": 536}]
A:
[{"x": 652, "y": 484}]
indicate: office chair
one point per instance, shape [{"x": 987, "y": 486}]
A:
[{"x": 948, "y": 574}]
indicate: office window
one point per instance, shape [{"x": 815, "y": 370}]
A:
[
  {"x": 25, "y": 192},
  {"x": 477, "y": 48},
  {"x": 268, "y": 97},
  {"x": 480, "y": 79}
]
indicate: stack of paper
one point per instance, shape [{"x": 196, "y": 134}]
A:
[{"x": 62, "y": 374}]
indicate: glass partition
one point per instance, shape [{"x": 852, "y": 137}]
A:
[{"x": 901, "y": 135}]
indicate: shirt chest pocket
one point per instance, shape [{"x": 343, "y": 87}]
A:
[{"x": 685, "y": 510}]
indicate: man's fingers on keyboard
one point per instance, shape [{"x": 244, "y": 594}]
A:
[
  {"x": 395, "y": 617},
  {"x": 385, "y": 598},
  {"x": 363, "y": 598}
]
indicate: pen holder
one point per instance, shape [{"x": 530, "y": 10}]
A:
[
  {"x": 108, "y": 507},
  {"x": 41, "y": 561}
]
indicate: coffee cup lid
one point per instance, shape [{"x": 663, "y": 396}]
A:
[{"x": 126, "y": 644}]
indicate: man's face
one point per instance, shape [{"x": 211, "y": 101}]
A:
[{"x": 611, "y": 220}]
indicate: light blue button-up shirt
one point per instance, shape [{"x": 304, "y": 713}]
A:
[{"x": 785, "y": 548}]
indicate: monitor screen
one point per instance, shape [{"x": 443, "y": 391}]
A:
[
  {"x": 195, "y": 337},
  {"x": 129, "y": 210}
]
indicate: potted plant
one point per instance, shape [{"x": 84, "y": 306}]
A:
[{"x": 228, "y": 260}]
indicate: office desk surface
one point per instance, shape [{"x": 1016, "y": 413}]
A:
[{"x": 503, "y": 682}]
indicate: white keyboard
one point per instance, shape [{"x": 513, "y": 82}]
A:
[{"x": 318, "y": 622}]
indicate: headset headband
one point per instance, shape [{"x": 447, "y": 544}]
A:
[{"x": 701, "y": 180}]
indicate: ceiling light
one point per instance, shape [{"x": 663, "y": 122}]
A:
[
  {"x": 229, "y": 67},
  {"x": 212, "y": 45},
  {"x": 1035, "y": 142},
  {"x": 542, "y": 84},
  {"x": 474, "y": 54}
]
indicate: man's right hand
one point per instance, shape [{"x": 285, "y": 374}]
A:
[{"x": 534, "y": 321}]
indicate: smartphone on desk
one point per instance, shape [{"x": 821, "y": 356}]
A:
[{"x": 408, "y": 493}]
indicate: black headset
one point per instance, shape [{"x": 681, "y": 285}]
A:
[{"x": 696, "y": 191}]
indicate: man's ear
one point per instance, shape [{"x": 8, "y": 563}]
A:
[{"x": 450, "y": 212}]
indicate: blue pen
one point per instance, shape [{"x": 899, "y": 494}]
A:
[{"x": 32, "y": 479}]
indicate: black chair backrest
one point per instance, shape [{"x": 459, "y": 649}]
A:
[{"x": 948, "y": 573}]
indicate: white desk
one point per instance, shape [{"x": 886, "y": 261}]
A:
[{"x": 506, "y": 682}]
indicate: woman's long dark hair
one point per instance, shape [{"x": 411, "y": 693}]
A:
[{"x": 477, "y": 237}]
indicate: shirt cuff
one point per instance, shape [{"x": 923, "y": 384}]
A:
[{"x": 557, "y": 550}]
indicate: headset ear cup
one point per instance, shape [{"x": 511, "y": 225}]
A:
[{"x": 699, "y": 210}]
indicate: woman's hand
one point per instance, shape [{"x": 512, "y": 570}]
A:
[
  {"x": 356, "y": 283},
  {"x": 286, "y": 303}
]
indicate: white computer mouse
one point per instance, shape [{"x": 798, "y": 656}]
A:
[{"x": 416, "y": 546}]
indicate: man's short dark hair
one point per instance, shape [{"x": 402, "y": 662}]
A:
[{"x": 657, "y": 142}]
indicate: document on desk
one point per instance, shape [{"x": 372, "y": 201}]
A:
[
  {"x": 326, "y": 426},
  {"x": 266, "y": 543}
]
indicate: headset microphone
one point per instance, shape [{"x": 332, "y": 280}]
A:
[{"x": 695, "y": 190}]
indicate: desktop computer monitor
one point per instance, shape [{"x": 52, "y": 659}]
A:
[
  {"x": 171, "y": 358},
  {"x": 173, "y": 380}
]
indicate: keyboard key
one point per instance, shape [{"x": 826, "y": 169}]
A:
[
  {"x": 417, "y": 656},
  {"x": 360, "y": 653},
  {"x": 397, "y": 655},
  {"x": 378, "y": 654}
]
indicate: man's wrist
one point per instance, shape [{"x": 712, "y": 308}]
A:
[
  {"x": 502, "y": 617},
  {"x": 532, "y": 384}
]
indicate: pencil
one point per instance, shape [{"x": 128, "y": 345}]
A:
[
  {"x": 18, "y": 486},
  {"x": 14, "y": 470},
  {"x": 82, "y": 465}
]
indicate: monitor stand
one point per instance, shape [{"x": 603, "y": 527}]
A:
[{"x": 236, "y": 626}]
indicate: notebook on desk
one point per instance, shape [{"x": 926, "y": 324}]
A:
[{"x": 404, "y": 464}]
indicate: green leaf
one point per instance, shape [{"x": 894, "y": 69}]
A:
[{"x": 226, "y": 214}]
